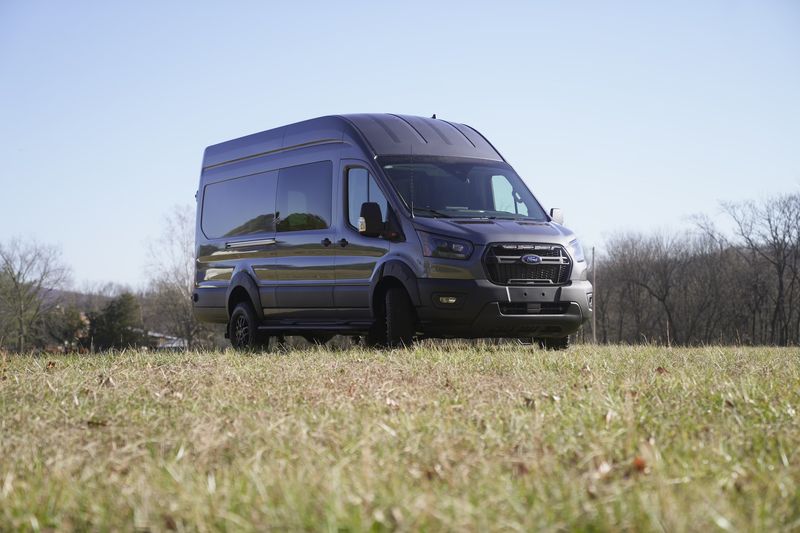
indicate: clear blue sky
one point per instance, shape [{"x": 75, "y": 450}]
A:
[{"x": 628, "y": 115}]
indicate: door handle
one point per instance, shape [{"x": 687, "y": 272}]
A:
[
  {"x": 326, "y": 242},
  {"x": 343, "y": 243}
]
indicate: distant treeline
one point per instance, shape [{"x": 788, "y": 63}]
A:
[
  {"x": 36, "y": 313},
  {"x": 697, "y": 287},
  {"x": 703, "y": 286}
]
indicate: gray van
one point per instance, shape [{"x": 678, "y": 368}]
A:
[{"x": 387, "y": 227}]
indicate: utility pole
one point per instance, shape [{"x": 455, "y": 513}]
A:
[{"x": 594, "y": 300}]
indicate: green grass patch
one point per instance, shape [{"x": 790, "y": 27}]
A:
[{"x": 440, "y": 437}]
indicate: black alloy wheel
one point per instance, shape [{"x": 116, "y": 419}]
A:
[{"x": 243, "y": 328}]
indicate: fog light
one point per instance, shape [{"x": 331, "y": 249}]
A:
[{"x": 447, "y": 299}]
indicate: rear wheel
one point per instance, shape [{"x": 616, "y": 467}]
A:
[{"x": 243, "y": 328}]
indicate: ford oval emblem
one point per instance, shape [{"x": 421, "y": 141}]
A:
[{"x": 531, "y": 259}]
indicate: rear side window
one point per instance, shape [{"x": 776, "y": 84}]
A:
[
  {"x": 304, "y": 197},
  {"x": 241, "y": 206},
  {"x": 361, "y": 187}
]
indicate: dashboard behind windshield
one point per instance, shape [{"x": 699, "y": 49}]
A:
[{"x": 461, "y": 188}]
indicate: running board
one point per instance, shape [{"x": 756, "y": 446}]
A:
[{"x": 288, "y": 326}]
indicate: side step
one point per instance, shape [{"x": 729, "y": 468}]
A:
[{"x": 289, "y": 326}]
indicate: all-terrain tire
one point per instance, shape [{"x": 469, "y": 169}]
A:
[
  {"x": 400, "y": 318},
  {"x": 376, "y": 336},
  {"x": 243, "y": 329}
]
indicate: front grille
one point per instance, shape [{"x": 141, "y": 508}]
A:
[
  {"x": 504, "y": 264},
  {"x": 543, "y": 308}
]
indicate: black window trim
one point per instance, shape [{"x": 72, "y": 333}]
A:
[
  {"x": 346, "y": 196},
  {"x": 259, "y": 235},
  {"x": 226, "y": 180}
]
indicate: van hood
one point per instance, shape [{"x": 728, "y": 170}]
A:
[{"x": 483, "y": 231}]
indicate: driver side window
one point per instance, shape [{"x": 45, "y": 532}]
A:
[
  {"x": 361, "y": 187},
  {"x": 506, "y": 198}
]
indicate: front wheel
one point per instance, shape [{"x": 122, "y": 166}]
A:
[
  {"x": 396, "y": 325},
  {"x": 243, "y": 328},
  {"x": 400, "y": 323}
]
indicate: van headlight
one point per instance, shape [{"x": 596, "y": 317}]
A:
[
  {"x": 444, "y": 247},
  {"x": 576, "y": 250}
]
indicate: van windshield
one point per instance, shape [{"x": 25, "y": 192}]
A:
[{"x": 446, "y": 187}]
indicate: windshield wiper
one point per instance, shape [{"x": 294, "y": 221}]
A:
[
  {"x": 433, "y": 212},
  {"x": 513, "y": 217}
]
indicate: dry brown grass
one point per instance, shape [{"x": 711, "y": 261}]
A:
[{"x": 442, "y": 437}]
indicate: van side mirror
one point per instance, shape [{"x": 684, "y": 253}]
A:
[
  {"x": 370, "y": 222},
  {"x": 557, "y": 215}
]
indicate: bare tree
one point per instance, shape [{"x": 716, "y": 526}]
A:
[
  {"x": 770, "y": 230},
  {"x": 30, "y": 272},
  {"x": 742, "y": 289},
  {"x": 168, "y": 300},
  {"x": 708, "y": 286},
  {"x": 654, "y": 264}
]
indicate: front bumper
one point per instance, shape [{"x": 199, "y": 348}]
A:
[{"x": 483, "y": 309}]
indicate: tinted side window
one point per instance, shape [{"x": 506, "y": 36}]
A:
[
  {"x": 361, "y": 187},
  {"x": 241, "y": 206},
  {"x": 304, "y": 197}
]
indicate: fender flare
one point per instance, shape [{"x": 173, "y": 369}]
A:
[
  {"x": 244, "y": 280},
  {"x": 400, "y": 271}
]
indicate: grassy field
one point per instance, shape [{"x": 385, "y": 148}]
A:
[{"x": 440, "y": 437}]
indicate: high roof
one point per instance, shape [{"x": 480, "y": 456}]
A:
[
  {"x": 390, "y": 134},
  {"x": 383, "y": 134}
]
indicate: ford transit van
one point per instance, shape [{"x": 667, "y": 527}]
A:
[{"x": 386, "y": 227}]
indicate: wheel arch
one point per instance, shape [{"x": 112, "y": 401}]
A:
[
  {"x": 394, "y": 273},
  {"x": 242, "y": 288}
]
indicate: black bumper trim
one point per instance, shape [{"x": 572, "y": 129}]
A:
[{"x": 486, "y": 310}]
